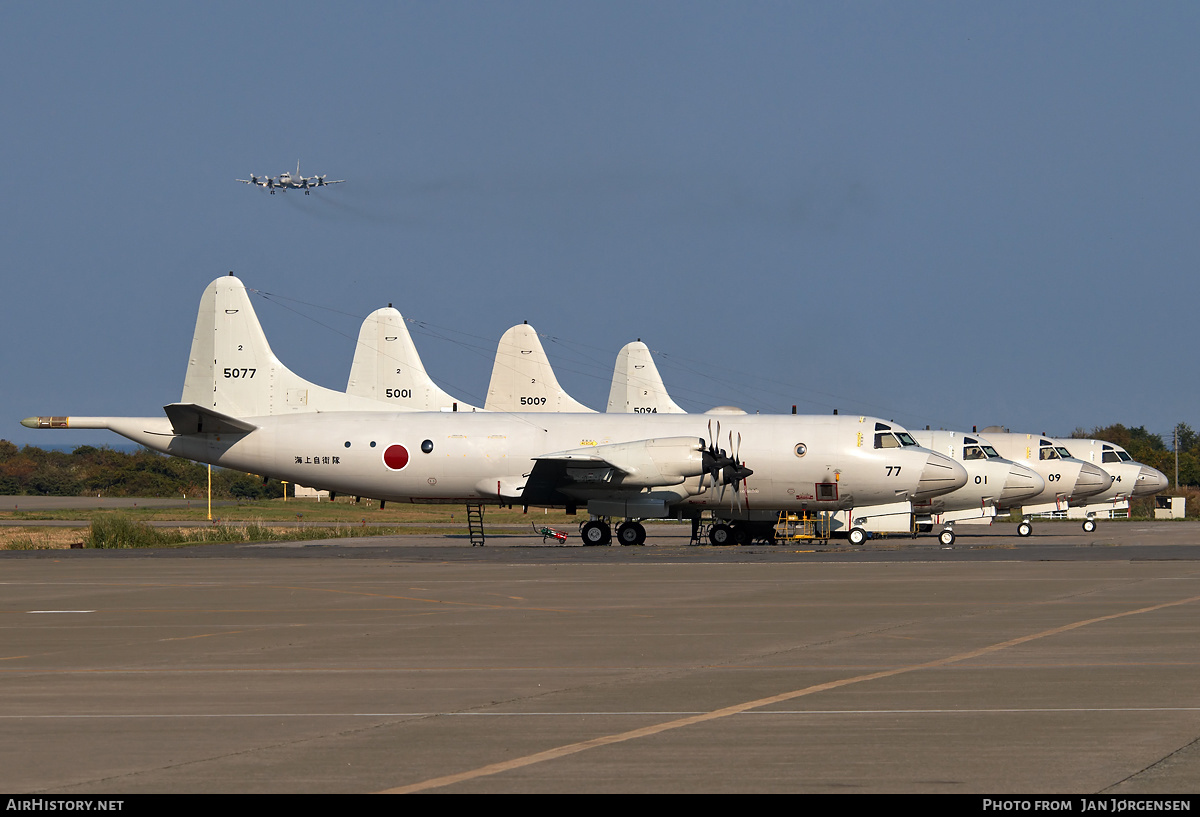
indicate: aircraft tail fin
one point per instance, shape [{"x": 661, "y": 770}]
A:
[
  {"x": 522, "y": 379},
  {"x": 637, "y": 387},
  {"x": 232, "y": 370},
  {"x": 387, "y": 368}
]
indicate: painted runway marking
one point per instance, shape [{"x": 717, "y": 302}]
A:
[
  {"x": 737, "y": 709},
  {"x": 599, "y": 714},
  {"x": 59, "y": 611}
]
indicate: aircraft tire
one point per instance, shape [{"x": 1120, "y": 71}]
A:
[
  {"x": 721, "y": 535},
  {"x": 1089, "y": 525},
  {"x": 1024, "y": 529},
  {"x": 741, "y": 535},
  {"x": 595, "y": 533},
  {"x": 946, "y": 537},
  {"x": 857, "y": 536},
  {"x": 631, "y": 533}
]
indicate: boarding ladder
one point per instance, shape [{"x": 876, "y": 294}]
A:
[{"x": 475, "y": 523}]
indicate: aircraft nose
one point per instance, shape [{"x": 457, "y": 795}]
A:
[
  {"x": 1091, "y": 480},
  {"x": 941, "y": 475},
  {"x": 1149, "y": 481},
  {"x": 1021, "y": 483}
]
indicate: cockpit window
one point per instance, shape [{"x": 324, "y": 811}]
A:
[
  {"x": 886, "y": 441},
  {"x": 1064, "y": 453},
  {"x": 882, "y": 427},
  {"x": 992, "y": 453},
  {"x": 973, "y": 452},
  {"x": 1124, "y": 457},
  {"x": 1048, "y": 454},
  {"x": 905, "y": 438}
]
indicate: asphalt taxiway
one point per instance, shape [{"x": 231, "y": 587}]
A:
[{"x": 1064, "y": 663}]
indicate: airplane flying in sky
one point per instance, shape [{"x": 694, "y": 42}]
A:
[
  {"x": 241, "y": 408},
  {"x": 286, "y": 181}
]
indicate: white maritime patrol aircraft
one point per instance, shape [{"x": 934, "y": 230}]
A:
[
  {"x": 286, "y": 181},
  {"x": 522, "y": 378},
  {"x": 1067, "y": 479},
  {"x": 386, "y": 368},
  {"x": 242, "y": 409},
  {"x": 1131, "y": 479},
  {"x": 991, "y": 479}
]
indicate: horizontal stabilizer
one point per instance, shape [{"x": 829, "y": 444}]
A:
[{"x": 188, "y": 418}]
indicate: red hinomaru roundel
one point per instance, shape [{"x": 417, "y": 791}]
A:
[{"x": 395, "y": 457}]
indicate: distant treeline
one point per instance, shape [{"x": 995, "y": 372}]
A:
[
  {"x": 90, "y": 471},
  {"x": 1151, "y": 449}
]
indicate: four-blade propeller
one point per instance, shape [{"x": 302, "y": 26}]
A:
[{"x": 723, "y": 469}]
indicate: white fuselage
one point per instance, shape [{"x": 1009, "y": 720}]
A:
[
  {"x": 992, "y": 481},
  {"x": 1067, "y": 479},
  {"x": 486, "y": 456},
  {"x": 1130, "y": 477}
]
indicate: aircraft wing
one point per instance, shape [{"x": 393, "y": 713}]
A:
[{"x": 188, "y": 418}]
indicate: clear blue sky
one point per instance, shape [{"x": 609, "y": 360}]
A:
[{"x": 941, "y": 213}]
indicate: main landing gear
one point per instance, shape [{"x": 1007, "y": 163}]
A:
[
  {"x": 596, "y": 532},
  {"x": 1025, "y": 528},
  {"x": 631, "y": 533},
  {"x": 599, "y": 532},
  {"x": 721, "y": 535}
]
